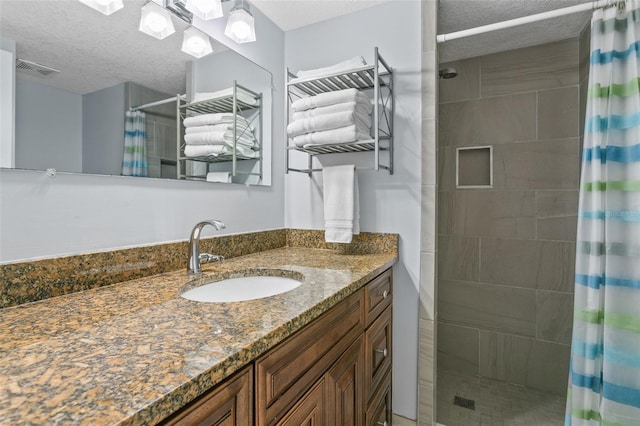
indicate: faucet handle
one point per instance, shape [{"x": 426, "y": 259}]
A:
[{"x": 206, "y": 257}]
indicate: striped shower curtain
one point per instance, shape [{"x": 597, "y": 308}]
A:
[
  {"x": 134, "y": 161},
  {"x": 604, "y": 382}
]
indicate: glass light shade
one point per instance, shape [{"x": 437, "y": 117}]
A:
[
  {"x": 196, "y": 43},
  {"x": 240, "y": 25},
  {"x": 205, "y": 9},
  {"x": 156, "y": 21},
  {"x": 104, "y": 6}
]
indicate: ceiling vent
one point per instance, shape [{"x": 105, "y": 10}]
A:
[{"x": 33, "y": 68}]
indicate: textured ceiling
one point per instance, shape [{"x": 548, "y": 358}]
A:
[
  {"x": 456, "y": 15},
  {"x": 292, "y": 14},
  {"x": 94, "y": 51}
]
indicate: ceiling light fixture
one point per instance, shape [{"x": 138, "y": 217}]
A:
[
  {"x": 196, "y": 43},
  {"x": 205, "y": 9},
  {"x": 104, "y": 6},
  {"x": 240, "y": 24},
  {"x": 156, "y": 21}
]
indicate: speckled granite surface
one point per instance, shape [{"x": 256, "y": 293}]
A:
[
  {"x": 134, "y": 352},
  {"x": 30, "y": 281}
]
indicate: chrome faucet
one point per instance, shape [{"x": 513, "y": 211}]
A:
[{"x": 195, "y": 257}]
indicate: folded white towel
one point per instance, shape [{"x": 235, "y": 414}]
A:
[
  {"x": 224, "y": 177},
  {"x": 328, "y": 122},
  {"x": 360, "y": 107},
  {"x": 218, "y": 137},
  {"x": 211, "y": 119},
  {"x": 345, "y": 134},
  {"x": 243, "y": 133},
  {"x": 349, "y": 64},
  {"x": 217, "y": 150},
  {"x": 329, "y": 98},
  {"x": 341, "y": 203},
  {"x": 240, "y": 95}
]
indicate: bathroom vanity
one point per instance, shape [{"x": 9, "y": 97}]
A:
[{"x": 138, "y": 353}]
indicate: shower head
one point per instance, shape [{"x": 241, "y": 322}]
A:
[{"x": 448, "y": 73}]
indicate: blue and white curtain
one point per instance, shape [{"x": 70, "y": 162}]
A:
[
  {"x": 604, "y": 382},
  {"x": 134, "y": 161}
]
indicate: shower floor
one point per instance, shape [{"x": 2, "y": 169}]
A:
[{"x": 495, "y": 403}]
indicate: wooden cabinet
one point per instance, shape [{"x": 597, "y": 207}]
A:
[
  {"x": 228, "y": 404},
  {"x": 335, "y": 371}
]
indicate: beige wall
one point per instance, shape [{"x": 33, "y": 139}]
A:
[
  {"x": 506, "y": 254},
  {"x": 427, "y": 311}
]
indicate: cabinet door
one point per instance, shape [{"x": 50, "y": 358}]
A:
[
  {"x": 378, "y": 341},
  {"x": 345, "y": 379},
  {"x": 228, "y": 404},
  {"x": 310, "y": 410},
  {"x": 379, "y": 411}
]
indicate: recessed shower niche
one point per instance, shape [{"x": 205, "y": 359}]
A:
[{"x": 474, "y": 167}]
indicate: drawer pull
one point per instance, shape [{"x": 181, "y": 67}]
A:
[
  {"x": 384, "y": 352},
  {"x": 383, "y": 423},
  {"x": 385, "y": 294}
]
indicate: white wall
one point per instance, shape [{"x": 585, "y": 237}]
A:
[
  {"x": 44, "y": 217},
  {"x": 48, "y": 126},
  {"x": 103, "y": 130},
  {"x": 7, "y": 102},
  {"x": 387, "y": 203}
]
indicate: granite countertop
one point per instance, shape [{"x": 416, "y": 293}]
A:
[{"x": 135, "y": 352}]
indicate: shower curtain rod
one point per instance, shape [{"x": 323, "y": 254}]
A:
[
  {"x": 156, "y": 103},
  {"x": 598, "y": 4}
]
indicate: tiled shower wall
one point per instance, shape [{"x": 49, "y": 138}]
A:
[{"x": 506, "y": 254}]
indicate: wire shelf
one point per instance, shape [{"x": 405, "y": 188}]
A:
[{"x": 358, "y": 146}]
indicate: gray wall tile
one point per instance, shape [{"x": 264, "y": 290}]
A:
[
  {"x": 584, "y": 87},
  {"x": 428, "y": 231},
  {"x": 426, "y": 351},
  {"x": 457, "y": 348},
  {"x": 458, "y": 258},
  {"x": 534, "y": 68},
  {"x": 429, "y": 151},
  {"x": 506, "y": 214},
  {"x": 552, "y": 164},
  {"x": 557, "y": 203},
  {"x": 558, "y": 112},
  {"x": 557, "y": 228},
  {"x": 504, "y": 356},
  {"x": 446, "y": 168},
  {"x": 528, "y": 263},
  {"x": 489, "y": 307},
  {"x": 584, "y": 51},
  {"x": 488, "y": 121},
  {"x": 554, "y": 316},
  {"x": 548, "y": 366},
  {"x": 466, "y": 85}
]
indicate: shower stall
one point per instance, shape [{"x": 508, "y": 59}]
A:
[{"x": 509, "y": 142}]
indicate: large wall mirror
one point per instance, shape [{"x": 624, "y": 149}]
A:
[{"x": 86, "y": 93}]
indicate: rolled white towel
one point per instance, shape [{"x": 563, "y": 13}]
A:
[
  {"x": 224, "y": 177},
  {"x": 328, "y": 98},
  {"x": 212, "y": 119},
  {"x": 328, "y": 122},
  {"x": 240, "y": 95},
  {"x": 345, "y": 134},
  {"x": 349, "y": 64},
  {"x": 361, "y": 107}
]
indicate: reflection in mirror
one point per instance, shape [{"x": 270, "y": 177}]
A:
[{"x": 83, "y": 73}]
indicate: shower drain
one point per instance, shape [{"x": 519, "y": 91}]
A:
[{"x": 464, "y": 402}]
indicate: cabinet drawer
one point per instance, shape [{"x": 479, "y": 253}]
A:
[
  {"x": 377, "y": 295},
  {"x": 378, "y": 342},
  {"x": 288, "y": 370},
  {"x": 379, "y": 411},
  {"x": 230, "y": 403}
]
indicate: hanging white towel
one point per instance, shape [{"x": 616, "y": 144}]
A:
[
  {"x": 341, "y": 203},
  {"x": 329, "y": 98}
]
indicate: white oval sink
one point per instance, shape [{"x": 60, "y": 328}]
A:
[{"x": 241, "y": 289}]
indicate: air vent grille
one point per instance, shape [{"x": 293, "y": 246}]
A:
[{"x": 34, "y": 68}]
